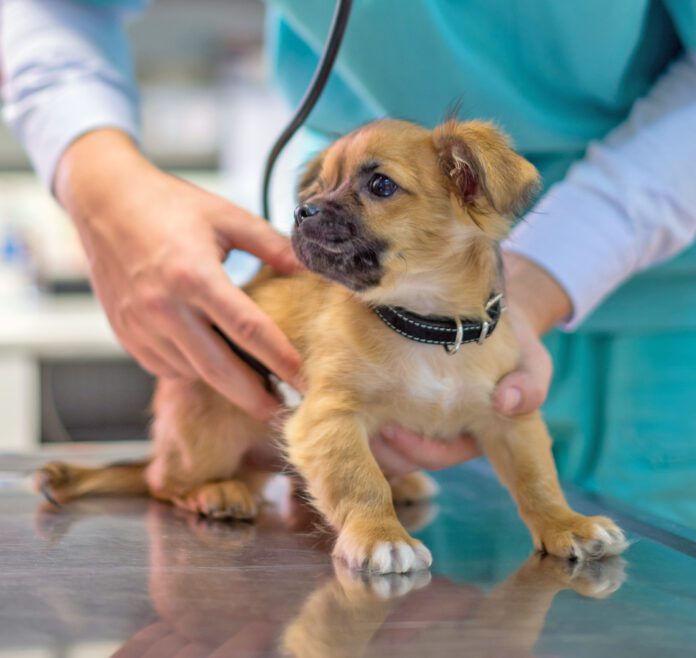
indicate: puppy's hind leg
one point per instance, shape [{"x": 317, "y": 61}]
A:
[
  {"x": 200, "y": 441},
  {"x": 60, "y": 482}
]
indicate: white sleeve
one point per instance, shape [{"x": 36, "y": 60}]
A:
[
  {"x": 628, "y": 205},
  {"x": 66, "y": 70}
]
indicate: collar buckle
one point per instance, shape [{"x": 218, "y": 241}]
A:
[
  {"x": 485, "y": 329},
  {"x": 454, "y": 347}
]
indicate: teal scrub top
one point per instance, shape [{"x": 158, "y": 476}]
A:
[{"x": 555, "y": 74}]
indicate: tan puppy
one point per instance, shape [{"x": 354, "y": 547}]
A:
[{"x": 392, "y": 215}]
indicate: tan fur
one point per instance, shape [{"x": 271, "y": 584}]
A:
[{"x": 459, "y": 184}]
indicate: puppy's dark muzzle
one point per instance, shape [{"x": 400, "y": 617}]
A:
[
  {"x": 324, "y": 226},
  {"x": 337, "y": 245}
]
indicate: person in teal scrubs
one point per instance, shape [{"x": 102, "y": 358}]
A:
[{"x": 600, "y": 96}]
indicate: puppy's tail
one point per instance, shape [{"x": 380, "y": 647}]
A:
[{"x": 60, "y": 482}]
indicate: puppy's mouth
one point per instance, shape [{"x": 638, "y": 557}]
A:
[{"x": 351, "y": 261}]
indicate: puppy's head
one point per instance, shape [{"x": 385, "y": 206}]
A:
[{"x": 392, "y": 201}]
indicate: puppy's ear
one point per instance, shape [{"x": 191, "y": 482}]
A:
[
  {"x": 478, "y": 162},
  {"x": 309, "y": 175}
]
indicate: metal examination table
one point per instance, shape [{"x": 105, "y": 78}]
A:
[{"x": 136, "y": 578}]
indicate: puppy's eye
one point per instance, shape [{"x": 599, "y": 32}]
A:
[{"x": 382, "y": 186}]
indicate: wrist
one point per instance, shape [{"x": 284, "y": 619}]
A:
[
  {"x": 95, "y": 170},
  {"x": 531, "y": 290}
]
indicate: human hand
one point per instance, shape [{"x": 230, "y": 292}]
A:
[
  {"x": 525, "y": 388},
  {"x": 155, "y": 245},
  {"x": 399, "y": 451},
  {"x": 536, "y": 302}
]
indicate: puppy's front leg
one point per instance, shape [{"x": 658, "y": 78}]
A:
[
  {"x": 520, "y": 451},
  {"x": 328, "y": 444}
]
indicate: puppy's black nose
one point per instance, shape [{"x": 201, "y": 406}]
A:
[{"x": 304, "y": 211}]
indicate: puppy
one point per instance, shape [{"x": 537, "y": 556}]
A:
[{"x": 398, "y": 227}]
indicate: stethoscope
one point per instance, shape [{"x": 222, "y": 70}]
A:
[
  {"x": 309, "y": 100},
  {"x": 311, "y": 96}
]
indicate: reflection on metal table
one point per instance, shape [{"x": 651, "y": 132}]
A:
[{"x": 135, "y": 578}]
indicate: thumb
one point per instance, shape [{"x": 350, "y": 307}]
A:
[
  {"x": 524, "y": 390},
  {"x": 248, "y": 232}
]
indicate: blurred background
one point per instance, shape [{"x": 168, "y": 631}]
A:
[{"x": 209, "y": 115}]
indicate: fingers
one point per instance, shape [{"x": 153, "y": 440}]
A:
[
  {"x": 148, "y": 358},
  {"x": 426, "y": 453},
  {"x": 176, "y": 359},
  {"x": 524, "y": 390},
  {"x": 248, "y": 326},
  {"x": 159, "y": 356},
  {"x": 255, "y": 235},
  {"x": 392, "y": 463},
  {"x": 173, "y": 336},
  {"x": 217, "y": 365},
  {"x": 154, "y": 364}
]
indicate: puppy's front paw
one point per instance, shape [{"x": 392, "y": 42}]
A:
[
  {"x": 582, "y": 538},
  {"x": 380, "y": 549}
]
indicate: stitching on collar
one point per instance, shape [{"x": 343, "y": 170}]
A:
[
  {"x": 398, "y": 331},
  {"x": 418, "y": 324}
]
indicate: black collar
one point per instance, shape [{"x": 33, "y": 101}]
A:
[
  {"x": 421, "y": 328},
  {"x": 452, "y": 333}
]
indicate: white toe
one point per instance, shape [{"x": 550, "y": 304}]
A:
[
  {"x": 385, "y": 557},
  {"x": 604, "y": 543},
  {"x": 382, "y": 559},
  {"x": 404, "y": 558},
  {"x": 392, "y": 557},
  {"x": 423, "y": 556}
]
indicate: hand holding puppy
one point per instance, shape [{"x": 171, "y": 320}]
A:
[{"x": 155, "y": 245}]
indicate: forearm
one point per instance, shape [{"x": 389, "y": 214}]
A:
[
  {"x": 66, "y": 70},
  {"x": 630, "y": 204},
  {"x": 532, "y": 290},
  {"x": 86, "y": 181}
]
